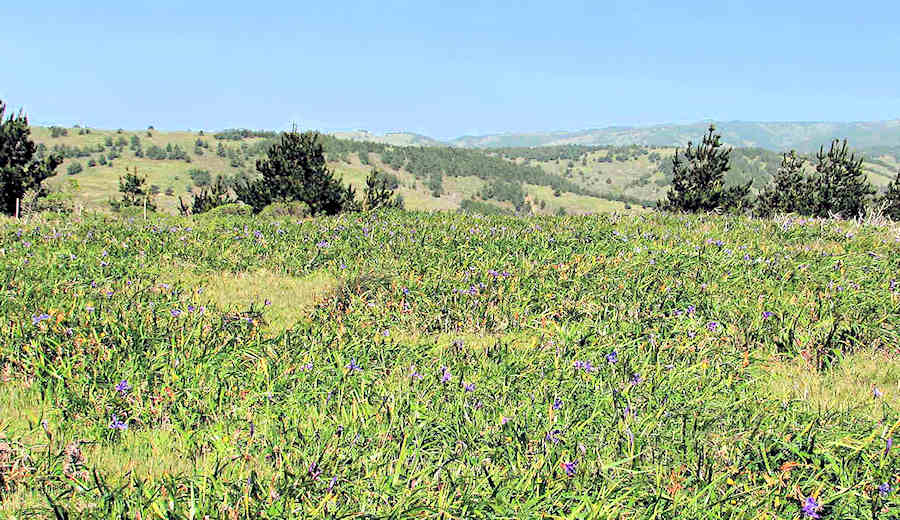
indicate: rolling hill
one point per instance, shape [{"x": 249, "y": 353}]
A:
[{"x": 570, "y": 178}]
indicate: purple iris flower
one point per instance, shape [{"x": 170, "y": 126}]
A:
[
  {"x": 175, "y": 313},
  {"x": 116, "y": 424},
  {"x": 884, "y": 489},
  {"x": 569, "y": 467},
  {"x": 557, "y": 403},
  {"x": 767, "y": 314},
  {"x": 810, "y": 508},
  {"x": 469, "y": 387},
  {"x": 352, "y": 366},
  {"x": 445, "y": 375},
  {"x": 123, "y": 387},
  {"x": 612, "y": 357}
]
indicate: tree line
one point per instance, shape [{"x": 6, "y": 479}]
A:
[{"x": 834, "y": 185}]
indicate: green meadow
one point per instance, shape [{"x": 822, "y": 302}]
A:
[{"x": 438, "y": 365}]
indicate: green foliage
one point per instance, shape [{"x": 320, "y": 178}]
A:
[
  {"x": 131, "y": 186},
  {"x": 209, "y": 197},
  {"x": 790, "y": 191},
  {"x": 237, "y": 134},
  {"x": 839, "y": 184},
  {"x": 56, "y": 131},
  {"x": 698, "y": 179},
  {"x": 21, "y": 168},
  {"x": 379, "y": 194},
  {"x": 479, "y": 207},
  {"x": 230, "y": 209},
  {"x": 200, "y": 177},
  {"x": 286, "y": 209},
  {"x": 295, "y": 170},
  {"x": 74, "y": 168},
  {"x": 891, "y": 199}
]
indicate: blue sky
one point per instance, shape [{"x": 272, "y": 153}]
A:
[{"x": 446, "y": 69}]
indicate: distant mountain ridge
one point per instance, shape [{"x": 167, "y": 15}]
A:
[{"x": 777, "y": 136}]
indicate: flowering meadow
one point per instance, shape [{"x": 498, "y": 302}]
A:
[{"x": 413, "y": 365}]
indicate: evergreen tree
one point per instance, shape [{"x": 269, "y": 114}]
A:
[
  {"x": 698, "y": 182},
  {"x": 379, "y": 193},
  {"x": 891, "y": 200},
  {"x": 131, "y": 186},
  {"x": 840, "y": 186},
  {"x": 789, "y": 191},
  {"x": 295, "y": 170},
  {"x": 21, "y": 168},
  {"x": 209, "y": 197}
]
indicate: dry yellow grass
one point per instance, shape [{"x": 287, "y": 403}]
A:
[{"x": 848, "y": 385}]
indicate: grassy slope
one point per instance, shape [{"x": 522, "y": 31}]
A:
[
  {"x": 237, "y": 414},
  {"x": 99, "y": 184}
]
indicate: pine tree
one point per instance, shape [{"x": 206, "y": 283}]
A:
[
  {"x": 210, "y": 196},
  {"x": 840, "y": 186},
  {"x": 891, "y": 200},
  {"x": 131, "y": 186},
  {"x": 789, "y": 191},
  {"x": 21, "y": 168},
  {"x": 699, "y": 179},
  {"x": 379, "y": 194},
  {"x": 295, "y": 170}
]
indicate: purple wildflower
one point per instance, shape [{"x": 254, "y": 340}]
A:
[
  {"x": 876, "y": 392},
  {"x": 39, "y": 318},
  {"x": 175, "y": 313},
  {"x": 314, "y": 471},
  {"x": 636, "y": 379},
  {"x": 888, "y": 444},
  {"x": 123, "y": 387},
  {"x": 307, "y": 367},
  {"x": 690, "y": 310},
  {"x": 767, "y": 314},
  {"x": 569, "y": 467},
  {"x": 552, "y": 436},
  {"x": 557, "y": 403},
  {"x": 884, "y": 489},
  {"x": 116, "y": 424},
  {"x": 413, "y": 373},
  {"x": 469, "y": 387},
  {"x": 352, "y": 366},
  {"x": 445, "y": 375},
  {"x": 332, "y": 483},
  {"x": 712, "y": 326},
  {"x": 810, "y": 508},
  {"x": 612, "y": 357}
]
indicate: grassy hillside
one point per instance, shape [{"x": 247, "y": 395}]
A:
[
  {"x": 541, "y": 180},
  {"x": 461, "y": 175},
  {"x": 409, "y": 365}
]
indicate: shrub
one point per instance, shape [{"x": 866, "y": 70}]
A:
[
  {"x": 286, "y": 209},
  {"x": 200, "y": 177},
  {"x": 75, "y": 168},
  {"x": 234, "y": 208}
]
